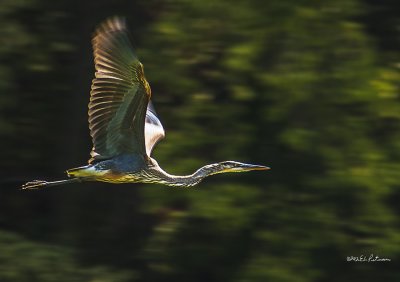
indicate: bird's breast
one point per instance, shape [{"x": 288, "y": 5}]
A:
[
  {"x": 115, "y": 174},
  {"x": 116, "y": 177}
]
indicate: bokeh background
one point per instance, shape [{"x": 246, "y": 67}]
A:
[{"x": 310, "y": 88}]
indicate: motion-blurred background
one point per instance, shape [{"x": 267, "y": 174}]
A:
[{"x": 310, "y": 88}]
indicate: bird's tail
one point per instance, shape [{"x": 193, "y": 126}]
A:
[{"x": 81, "y": 171}]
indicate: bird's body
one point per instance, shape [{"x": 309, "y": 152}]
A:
[
  {"x": 123, "y": 123},
  {"x": 121, "y": 169}
]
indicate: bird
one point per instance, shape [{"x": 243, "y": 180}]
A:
[{"x": 123, "y": 123}]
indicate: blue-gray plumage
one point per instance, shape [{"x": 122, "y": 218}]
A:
[{"x": 123, "y": 123}]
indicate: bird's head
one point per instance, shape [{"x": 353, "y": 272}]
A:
[{"x": 232, "y": 166}]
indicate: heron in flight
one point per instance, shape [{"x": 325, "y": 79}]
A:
[{"x": 123, "y": 123}]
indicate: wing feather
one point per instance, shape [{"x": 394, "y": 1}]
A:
[
  {"x": 119, "y": 94},
  {"x": 154, "y": 130}
]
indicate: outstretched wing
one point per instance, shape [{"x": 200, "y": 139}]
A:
[
  {"x": 153, "y": 129},
  {"x": 119, "y": 94}
]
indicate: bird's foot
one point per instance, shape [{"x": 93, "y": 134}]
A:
[{"x": 34, "y": 185}]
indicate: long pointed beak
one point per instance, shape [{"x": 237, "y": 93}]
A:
[
  {"x": 257, "y": 167},
  {"x": 241, "y": 167}
]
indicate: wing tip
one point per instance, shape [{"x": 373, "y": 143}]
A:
[{"x": 111, "y": 24}]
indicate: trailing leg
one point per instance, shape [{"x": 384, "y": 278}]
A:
[{"x": 38, "y": 184}]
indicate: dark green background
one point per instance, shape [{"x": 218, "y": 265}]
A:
[{"x": 310, "y": 88}]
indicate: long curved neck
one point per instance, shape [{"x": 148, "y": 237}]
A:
[{"x": 160, "y": 176}]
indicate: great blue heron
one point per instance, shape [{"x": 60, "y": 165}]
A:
[{"x": 123, "y": 124}]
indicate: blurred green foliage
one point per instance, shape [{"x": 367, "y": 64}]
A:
[
  {"x": 310, "y": 88},
  {"x": 22, "y": 260}
]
